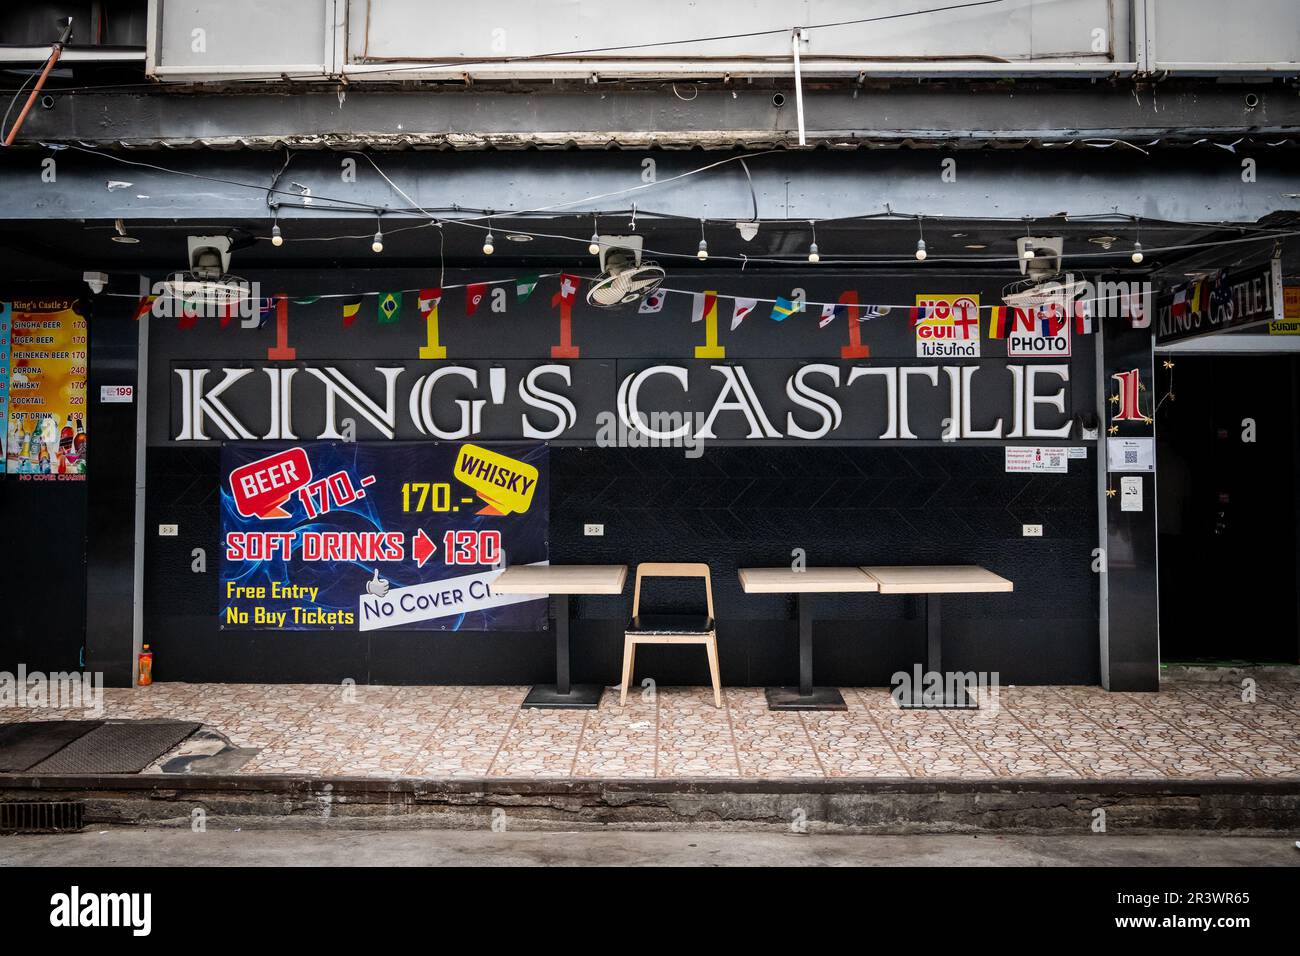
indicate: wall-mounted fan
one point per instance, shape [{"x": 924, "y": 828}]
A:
[
  {"x": 624, "y": 276},
  {"x": 208, "y": 282}
]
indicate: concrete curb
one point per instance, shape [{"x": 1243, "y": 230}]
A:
[{"x": 877, "y": 805}]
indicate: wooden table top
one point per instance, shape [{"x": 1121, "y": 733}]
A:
[
  {"x": 562, "y": 579},
  {"x": 937, "y": 579},
  {"x": 809, "y": 580}
]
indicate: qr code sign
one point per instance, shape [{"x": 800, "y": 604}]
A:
[{"x": 1130, "y": 457}]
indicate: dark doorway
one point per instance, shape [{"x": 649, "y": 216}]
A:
[{"x": 1227, "y": 508}]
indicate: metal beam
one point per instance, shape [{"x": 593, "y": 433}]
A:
[
  {"x": 965, "y": 114},
  {"x": 1183, "y": 186}
]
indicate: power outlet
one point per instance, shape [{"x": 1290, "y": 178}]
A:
[
  {"x": 593, "y": 530},
  {"x": 168, "y": 530},
  {"x": 1031, "y": 530}
]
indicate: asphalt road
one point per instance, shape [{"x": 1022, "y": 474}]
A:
[{"x": 338, "y": 847}]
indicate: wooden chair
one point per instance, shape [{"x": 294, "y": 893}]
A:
[{"x": 671, "y": 628}]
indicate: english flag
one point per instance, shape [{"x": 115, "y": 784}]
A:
[{"x": 741, "y": 311}]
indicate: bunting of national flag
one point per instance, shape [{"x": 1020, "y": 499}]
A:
[
  {"x": 741, "y": 311},
  {"x": 144, "y": 306},
  {"x": 1083, "y": 317},
  {"x": 651, "y": 303},
  {"x": 390, "y": 307},
  {"x": 428, "y": 300},
  {"x": 917, "y": 313},
  {"x": 474, "y": 293},
  {"x": 829, "y": 312},
  {"x": 782, "y": 308},
  {"x": 872, "y": 312},
  {"x": 701, "y": 303},
  {"x": 524, "y": 287},
  {"x": 568, "y": 287},
  {"x": 265, "y": 309},
  {"x": 998, "y": 316},
  {"x": 1051, "y": 319},
  {"x": 350, "y": 309}
]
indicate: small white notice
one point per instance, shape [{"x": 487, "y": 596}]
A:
[
  {"x": 1130, "y": 493},
  {"x": 1036, "y": 458},
  {"x": 116, "y": 393},
  {"x": 1130, "y": 454},
  {"x": 1077, "y": 451}
]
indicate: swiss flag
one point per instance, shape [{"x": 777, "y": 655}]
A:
[{"x": 568, "y": 287}]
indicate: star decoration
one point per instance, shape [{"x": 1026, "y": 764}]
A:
[
  {"x": 1141, "y": 387},
  {"x": 1113, "y": 430},
  {"x": 1147, "y": 420},
  {"x": 1114, "y": 399},
  {"x": 1110, "y": 492},
  {"x": 1168, "y": 364}
]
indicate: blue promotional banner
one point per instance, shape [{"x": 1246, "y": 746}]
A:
[{"x": 347, "y": 536}]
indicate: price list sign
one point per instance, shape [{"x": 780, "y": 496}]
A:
[{"x": 46, "y": 389}]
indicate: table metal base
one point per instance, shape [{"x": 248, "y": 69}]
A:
[
  {"x": 817, "y": 698},
  {"x": 944, "y": 702},
  {"x": 563, "y": 695},
  {"x": 579, "y": 697},
  {"x": 930, "y": 649}
]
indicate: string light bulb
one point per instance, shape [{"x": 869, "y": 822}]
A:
[
  {"x": 703, "y": 252},
  {"x": 1029, "y": 245},
  {"x": 813, "y": 255},
  {"x": 488, "y": 247},
  {"x": 378, "y": 244},
  {"x": 276, "y": 238},
  {"x": 594, "y": 248},
  {"x": 920, "y": 241},
  {"x": 1137, "y": 251}
]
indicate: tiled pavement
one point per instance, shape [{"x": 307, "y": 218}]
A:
[{"x": 1190, "y": 730}]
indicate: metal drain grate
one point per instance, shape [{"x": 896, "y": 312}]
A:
[{"x": 48, "y": 816}]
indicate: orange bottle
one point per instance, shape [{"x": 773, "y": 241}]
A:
[{"x": 146, "y": 667}]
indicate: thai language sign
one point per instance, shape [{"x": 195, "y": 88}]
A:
[{"x": 347, "y": 536}]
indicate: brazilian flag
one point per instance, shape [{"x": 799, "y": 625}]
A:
[{"x": 390, "y": 307}]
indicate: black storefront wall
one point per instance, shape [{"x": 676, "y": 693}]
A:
[{"x": 741, "y": 503}]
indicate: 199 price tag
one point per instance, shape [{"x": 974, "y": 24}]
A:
[{"x": 109, "y": 394}]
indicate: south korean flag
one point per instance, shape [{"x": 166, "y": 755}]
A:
[{"x": 651, "y": 303}]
